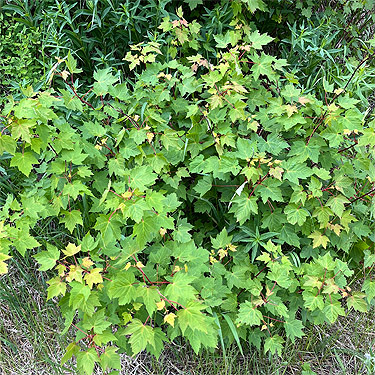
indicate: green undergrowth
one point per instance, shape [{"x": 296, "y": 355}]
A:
[{"x": 31, "y": 342}]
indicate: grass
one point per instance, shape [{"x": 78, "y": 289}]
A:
[{"x": 30, "y": 341}]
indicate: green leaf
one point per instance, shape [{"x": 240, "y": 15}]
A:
[
  {"x": 193, "y": 3},
  {"x": 262, "y": 65},
  {"x": 47, "y": 259},
  {"x": 369, "y": 288},
  {"x": 337, "y": 204},
  {"x": 76, "y": 188},
  {"x": 104, "y": 80},
  {"x": 274, "y": 344},
  {"x": 222, "y": 40},
  {"x": 150, "y": 296},
  {"x": 71, "y": 349},
  {"x": 357, "y": 302},
  {"x": 319, "y": 239},
  {"x": 332, "y": 311},
  {"x": 122, "y": 288},
  {"x": 181, "y": 234},
  {"x": 140, "y": 335},
  {"x": 56, "y": 287},
  {"x": 191, "y": 316},
  {"x": 222, "y": 240},
  {"x": 71, "y": 219},
  {"x": 243, "y": 207},
  {"x": 295, "y": 171},
  {"x": 7, "y": 144},
  {"x": 259, "y": 40},
  {"x": 313, "y": 301},
  {"x": 110, "y": 359},
  {"x": 288, "y": 235},
  {"x": 249, "y": 314},
  {"x": 24, "y": 162},
  {"x": 254, "y": 5},
  {"x": 146, "y": 230},
  {"x": 293, "y": 328},
  {"x": 140, "y": 177},
  {"x": 181, "y": 289},
  {"x": 296, "y": 214},
  {"x": 110, "y": 229},
  {"x": 22, "y": 240},
  {"x": 86, "y": 361},
  {"x": 71, "y": 64},
  {"x": 270, "y": 189}
]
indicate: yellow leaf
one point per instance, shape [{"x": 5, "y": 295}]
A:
[
  {"x": 75, "y": 273},
  {"x": 319, "y": 239},
  {"x": 232, "y": 247},
  {"x": 137, "y": 305},
  {"x": 170, "y": 319},
  {"x": 86, "y": 262},
  {"x": 126, "y": 317},
  {"x": 276, "y": 172},
  {"x": 127, "y": 194},
  {"x": 337, "y": 228},
  {"x": 222, "y": 253},
  {"x": 127, "y": 266},
  {"x": 304, "y": 100},
  {"x": 213, "y": 260},
  {"x": 94, "y": 277},
  {"x": 3, "y": 265},
  {"x": 160, "y": 305},
  {"x": 140, "y": 264},
  {"x": 64, "y": 74},
  {"x": 290, "y": 109},
  {"x": 2, "y": 231},
  {"x": 71, "y": 249},
  {"x": 61, "y": 269}
]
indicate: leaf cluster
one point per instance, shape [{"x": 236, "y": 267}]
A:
[{"x": 209, "y": 197}]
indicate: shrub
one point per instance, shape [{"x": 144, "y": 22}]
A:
[{"x": 208, "y": 199}]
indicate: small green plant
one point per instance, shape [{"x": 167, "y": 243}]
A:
[
  {"x": 18, "y": 63},
  {"x": 208, "y": 199}
]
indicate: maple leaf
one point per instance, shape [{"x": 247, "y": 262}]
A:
[
  {"x": 169, "y": 318},
  {"x": 86, "y": 360},
  {"x": 24, "y": 162},
  {"x": 94, "y": 277},
  {"x": 122, "y": 288},
  {"x": 71, "y": 219},
  {"x": 192, "y": 317},
  {"x": 56, "y": 287},
  {"x": 3, "y": 265},
  {"x": 249, "y": 314},
  {"x": 47, "y": 259},
  {"x": 104, "y": 80},
  {"x": 274, "y": 344},
  {"x": 140, "y": 335},
  {"x": 110, "y": 359},
  {"x": 319, "y": 239},
  {"x": 71, "y": 249}
]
